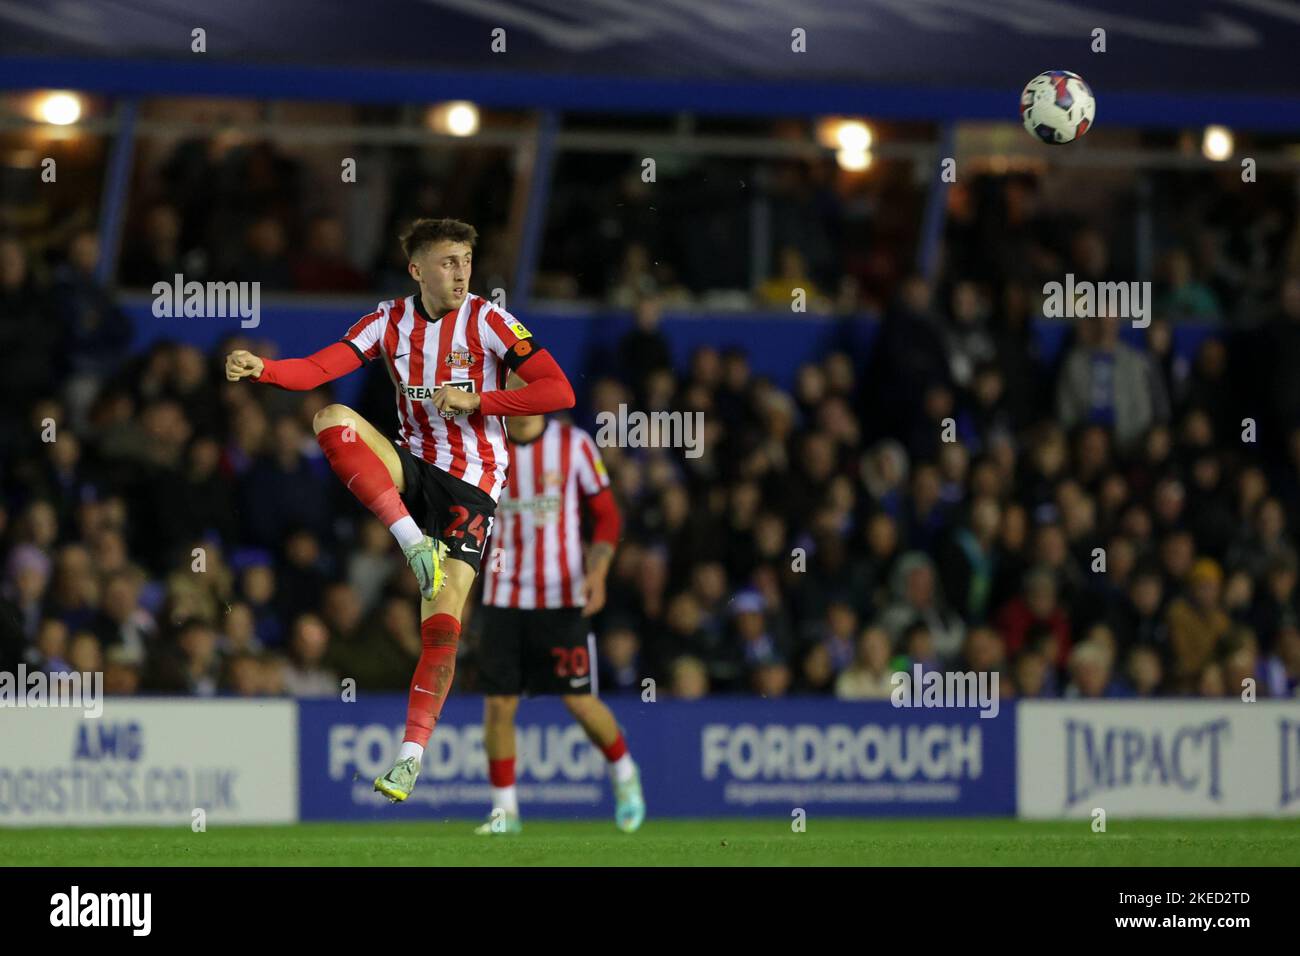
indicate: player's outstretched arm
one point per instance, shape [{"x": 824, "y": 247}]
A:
[{"x": 297, "y": 375}]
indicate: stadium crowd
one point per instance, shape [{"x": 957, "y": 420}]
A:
[{"x": 1098, "y": 522}]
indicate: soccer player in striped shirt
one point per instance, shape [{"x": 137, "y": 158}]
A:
[
  {"x": 448, "y": 353},
  {"x": 539, "y": 592}
]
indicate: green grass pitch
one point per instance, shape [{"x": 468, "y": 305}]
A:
[{"x": 674, "y": 843}]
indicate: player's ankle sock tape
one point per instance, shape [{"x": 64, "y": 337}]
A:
[
  {"x": 439, "y": 635},
  {"x": 501, "y": 773},
  {"x": 615, "y": 750},
  {"x": 362, "y": 472}
]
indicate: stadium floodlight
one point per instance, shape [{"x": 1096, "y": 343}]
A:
[
  {"x": 59, "y": 108},
  {"x": 456, "y": 118},
  {"x": 853, "y": 136},
  {"x": 838, "y": 132},
  {"x": 853, "y": 160},
  {"x": 1217, "y": 143}
]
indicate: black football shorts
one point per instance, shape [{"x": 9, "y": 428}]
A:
[
  {"x": 448, "y": 509},
  {"x": 535, "y": 652}
]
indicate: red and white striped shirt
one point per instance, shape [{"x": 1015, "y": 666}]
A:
[
  {"x": 466, "y": 348},
  {"x": 537, "y": 536}
]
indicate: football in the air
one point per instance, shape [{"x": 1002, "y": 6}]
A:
[{"x": 1057, "y": 107}]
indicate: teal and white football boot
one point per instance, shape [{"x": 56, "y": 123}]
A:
[
  {"x": 500, "y": 823},
  {"x": 629, "y": 804}
]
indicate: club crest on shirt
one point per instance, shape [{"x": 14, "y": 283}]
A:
[
  {"x": 459, "y": 358},
  {"x": 552, "y": 479}
]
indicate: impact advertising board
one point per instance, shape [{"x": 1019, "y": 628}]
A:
[{"x": 1159, "y": 758}]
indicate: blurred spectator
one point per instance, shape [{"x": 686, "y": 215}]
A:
[
  {"x": 1145, "y": 671},
  {"x": 121, "y": 672},
  {"x": 323, "y": 266},
  {"x": 1090, "y": 672},
  {"x": 189, "y": 664},
  {"x": 85, "y": 655},
  {"x": 258, "y": 587},
  {"x": 1282, "y": 668},
  {"x": 619, "y": 661},
  {"x": 122, "y": 622},
  {"x": 644, "y": 349},
  {"x": 1036, "y": 608},
  {"x": 968, "y": 561},
  {"x": 305, "y": 674},
  {"x": 96, "y": 332},
  {"x": 26, "y": 578},
  {"x": 869, "y": 676},
  {"x": 371, "y": 563},
  {"x": 916, "y": 601},
  {"x": 265, "y": 257},
  {"x": 1031, "y": 671},
  {"x": 817, "y": 673},
  {"x": 1239, "y": 661},
  {"x": 967, "y": 339},
  {"x": 757, "y": 644},
  {"x": 792, "y": 287},
  {"x": 1140, "y": 620},
  {"x": 239, "y": 631},
  {"x": 639, "y": 278},
  {"x": 1184, "y": 296},
  {"x": 772, "y": 679},
  {"x": 31, "y": 345},
  {"x": 690, "y": 678},
  {"x": 909, "y": 359},
  {"x": 1105, "y": 382},
  {"x": 243, "y": 676},
  {"x": 1210, "y": 682},
  {"x": 379, "y": 653},
  {"x": 157, "y": 256},
  {"x": 983, "y": 652},
  {"x": 1196, "y": 624}
]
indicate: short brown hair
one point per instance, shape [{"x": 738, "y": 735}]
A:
[{"x": 425, "y": 232}]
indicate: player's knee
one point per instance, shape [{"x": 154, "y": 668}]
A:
[
  {"x": 500, "y": 709},
  {"x": 451, "y": 599},
  {"x": 332, "y": 415}
]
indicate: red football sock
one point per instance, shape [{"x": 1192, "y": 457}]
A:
[
  {"x": 615, "y": 750},
  {"x": 439, "y": 634},
  {"x": 362, "y": 472},
  {"x": 502, "y": 772}
]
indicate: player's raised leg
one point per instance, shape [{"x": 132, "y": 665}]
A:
[
  {"x": 368, "y": 466},
  {"x": 602, "y": 729},
  {"x": 499, "y": 742},
  {"x": 439, "y": 637}
]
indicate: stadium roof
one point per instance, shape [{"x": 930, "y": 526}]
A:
[{"x": 1167, "y": 62}]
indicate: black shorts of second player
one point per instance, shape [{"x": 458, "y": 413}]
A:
[
  {"x": 535, "y": 652},
  {"x": 448, "y": 509}
]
